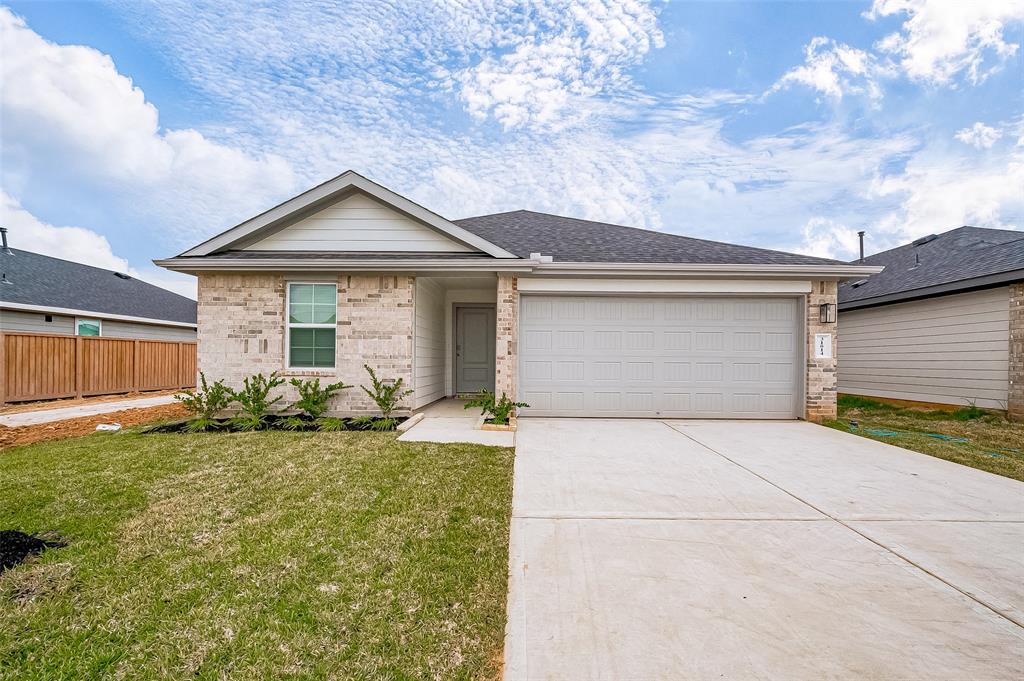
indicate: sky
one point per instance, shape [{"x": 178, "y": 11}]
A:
[{"x": 131, "y": 130}]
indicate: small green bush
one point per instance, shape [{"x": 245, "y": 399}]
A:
[
  {"x": 254, "y": 400},
  {"x": 312, "y": 398},
  {"x": 499, "y": 409},
  {"x": 331, "y": 424},
  {"x": 969, "y": 413},
  {"x": 205, "y": 403},
  {"x": 387, "y": 396}
]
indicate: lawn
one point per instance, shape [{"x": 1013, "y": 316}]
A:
[
  {"x": 972, "y": 437},
  {"x": 257, "y": 555}
]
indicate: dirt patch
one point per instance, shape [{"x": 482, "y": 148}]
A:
[
  {"x": 59, "y": 430},
  {"x": 16, "y": 546}
]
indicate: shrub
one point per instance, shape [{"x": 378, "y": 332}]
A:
[
  {"x": 205, "y": 403},
  {"x": 253, "y": 398},
  {"x": 500, "y": 409},
  {"x": 969, "y": 413},
  {"x": 312, "y": 398},
  {"x": 387, "y": 396}
]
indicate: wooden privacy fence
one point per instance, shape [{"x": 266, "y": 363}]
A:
[{"x": 39, "y": 366}]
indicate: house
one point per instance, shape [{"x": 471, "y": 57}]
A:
[
  {"x": 40, "y": 294},
  {"x": 942, "y": 324},
  {"x": 577, "y": 318}
]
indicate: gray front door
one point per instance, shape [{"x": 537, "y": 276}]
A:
[{"x": 474, "y": 349}]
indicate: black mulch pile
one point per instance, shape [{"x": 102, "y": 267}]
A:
[{"x": 16, "y": 546}]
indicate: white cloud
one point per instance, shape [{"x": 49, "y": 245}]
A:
[
  {"x": 825, "y": 238},
  {"x": 68, "y": 112},
  {"x": 835, "y": 69},
  {"x": 941, "y": 39},
  {"x": 583, "y": 53},
  {"x": 27, "y": 232},
  {"x": 979, "y": 136}
]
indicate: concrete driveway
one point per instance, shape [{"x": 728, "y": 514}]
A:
[{"x": 741, "y": 550}]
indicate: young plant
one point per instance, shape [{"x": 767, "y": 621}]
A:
[
  {"x": 312, "y": 398},
  {"x": 253, "y": 398},
  {"x": 331, "y": 424},
  {"x": 205, "y": 403},
  {"x": 499, "y": 409},
  {"x": 386, "y": 396}
]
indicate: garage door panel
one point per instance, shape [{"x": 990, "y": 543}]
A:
[{"x": 664, "y": 357}]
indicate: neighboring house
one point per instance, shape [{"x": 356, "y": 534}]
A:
[
  {"x": 943, "y": 323},
  {"x": 577, "y": 318},
  {"x": 40, "y": 294}
]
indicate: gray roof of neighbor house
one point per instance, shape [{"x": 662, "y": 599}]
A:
[
  {"x": 54, "y": 283},
  {"x": 957, "y": 260},
  {"x": 574, "y": 240}
]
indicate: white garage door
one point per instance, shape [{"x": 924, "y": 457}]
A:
[{"x": 660, "y": 356}]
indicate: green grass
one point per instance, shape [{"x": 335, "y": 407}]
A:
[
  {"x": 256, "y": 555},
  {"x": 993, "y": 443}
]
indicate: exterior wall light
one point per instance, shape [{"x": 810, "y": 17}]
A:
[{"x": 827, "y": 313}]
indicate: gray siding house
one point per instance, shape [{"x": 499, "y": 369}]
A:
[
  {"x": 574, "y": 317},
  {"x": 40, "y": 294},
  {"x": 943, "y": 323}
]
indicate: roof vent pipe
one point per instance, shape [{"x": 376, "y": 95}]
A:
[
  {"x": 6, "y": 249},
  {"x": 860, "y": 236}
]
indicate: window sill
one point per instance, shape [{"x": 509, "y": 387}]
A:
[{"x": 308, "y": 372}]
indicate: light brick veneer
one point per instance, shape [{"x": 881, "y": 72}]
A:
[
  {"x": 1015, "y": 405},
  {"x": 821, "y": 373},
  {"x": 506, "y": 344},
  {"x": 241, "y": 332}
]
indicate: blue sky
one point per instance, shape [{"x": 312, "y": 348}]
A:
[{"x": 131, "y": 129}]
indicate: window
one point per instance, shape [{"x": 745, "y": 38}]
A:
[
  {"x": 88, "y": 327},
  {"x": 312, "y": 321}
]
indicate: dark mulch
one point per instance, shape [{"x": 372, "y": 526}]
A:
[{"x": 16, "y": 546}]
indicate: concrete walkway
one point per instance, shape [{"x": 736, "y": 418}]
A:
[
  {"x": 30, "y": 418},
  {"x": 448, "y": 420},
  {"x": 742, "y": 550}
]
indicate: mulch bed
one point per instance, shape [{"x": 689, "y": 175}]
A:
[
  {"x": 59, "y": 430},
  {"x": 16, "y": 546}
]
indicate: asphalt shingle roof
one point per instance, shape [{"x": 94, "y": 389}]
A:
[
  {"x": 959, "y": 255},
  {"x": 573, "y": 240},
  {"x": 50, "y": 282}
]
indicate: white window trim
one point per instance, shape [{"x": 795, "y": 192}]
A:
[
  {"x": 99, "y": 323},
  {"x": 288, "y": 326}
]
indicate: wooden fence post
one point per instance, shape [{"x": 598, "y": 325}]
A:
[
  {"x": 4, "y": 377},
  {"x": 180, "y": 367},
  {"x": 136, "y": 365},
  {"x": 78, "y": 366}
]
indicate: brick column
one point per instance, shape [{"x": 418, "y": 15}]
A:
[
  {"x": 1015, "y": 404},
  {"x": 506, "y": 345},
  {"x": 821, "y": 373}
]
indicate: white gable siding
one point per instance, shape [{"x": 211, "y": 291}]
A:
[
  {"x": 429, "y": 359},
  {"x": 950, "y": 350},
  {"x": 358, "y": 223}
]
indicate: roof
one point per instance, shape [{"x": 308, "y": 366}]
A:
[
  {"x": 502, "y": 242},
  {"x": 574, "y": 240},
  {"x": 957, "y": 260},
  {"x": 46, "y": 282}
]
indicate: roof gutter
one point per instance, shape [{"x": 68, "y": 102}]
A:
[
  {"x": 524, "y": 265},
  {"x": 72, "y": 312},
  {"x": 214, "y": 264},
  {"x": 825, "y": 271}
]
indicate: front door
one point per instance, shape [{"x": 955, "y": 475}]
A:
[{"x": 474, "y": 349}]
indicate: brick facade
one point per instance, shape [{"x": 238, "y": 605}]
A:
[
  {"x": 241, "y": 332},
  {"x": 506, "y": 344},
  {"x": 821, "y": 373},
  {"x": 1015, "y": 405}
]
